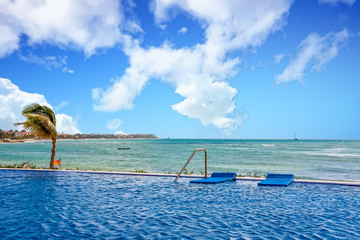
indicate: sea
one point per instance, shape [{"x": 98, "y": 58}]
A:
[{"x": 306, "y": 159}]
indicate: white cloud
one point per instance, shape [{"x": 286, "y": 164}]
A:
[
  {"x": 120, "y": 133},
  {"x": 66, "y": 124},
  {"x": 183, "y": 30},
  {"x": 198, "y": 73},
  {"x": 334, "y": 2},
  {"x": 314, "y": 51},
  {"x": 114, "y": 124},
  {"x": 13, "y": 100},
  {"x": 67, "y": 70},
  {"x": 230, "y": 24},
  {"x": 9, "y": 40},
  {"x": 82, "y": 24}
]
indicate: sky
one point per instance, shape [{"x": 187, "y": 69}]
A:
[{"x": 184, "y": 68}]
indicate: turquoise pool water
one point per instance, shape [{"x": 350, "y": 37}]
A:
[
  {"x": 68, "y": 205},
  {"x": 314, "y": 159}
]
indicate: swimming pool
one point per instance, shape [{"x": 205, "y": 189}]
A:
[{"x": 69, "y": 205}]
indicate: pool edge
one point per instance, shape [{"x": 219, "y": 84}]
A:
[{"x": 332, "y": 182}]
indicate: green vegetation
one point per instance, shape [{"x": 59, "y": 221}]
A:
[
  {"x": 139, "y": 171},
  {"x": 21, "y": 165},
  {"x": 28, "y": 165},
  {"x": 41, "y": 121},
  {"x": 187, "y": 173},
  {"x": 248, "y": 174}
]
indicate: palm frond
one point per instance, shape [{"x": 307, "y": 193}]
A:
[
  {"x": 36, "y": 108},
  {"x": 40, "y": 125},
  {"x": 19, "y": 123}
]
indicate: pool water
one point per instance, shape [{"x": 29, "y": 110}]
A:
[{"x": 70, "y": 205}]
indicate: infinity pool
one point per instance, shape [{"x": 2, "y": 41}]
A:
[{"x": 69, "y": 205}]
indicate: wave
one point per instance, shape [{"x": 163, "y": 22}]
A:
[
  {"x": 336, "y": 152},
  {"x": 268, "y": 145}
]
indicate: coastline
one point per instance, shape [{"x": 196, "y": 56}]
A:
[
  {"x": 4, "y": 141},
  {"x": 23, "y": 136}
]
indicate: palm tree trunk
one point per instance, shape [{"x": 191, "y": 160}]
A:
[{"x": 53, "y": 152}]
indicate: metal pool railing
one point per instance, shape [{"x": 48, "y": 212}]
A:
[{"x": 188, "y": 161}]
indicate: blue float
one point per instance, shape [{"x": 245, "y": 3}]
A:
[
  {"x": 216, "y": 177},
  {"x": 277, "y": 180}
]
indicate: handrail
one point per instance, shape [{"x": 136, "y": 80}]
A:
[{"x": 192, "y": 155}]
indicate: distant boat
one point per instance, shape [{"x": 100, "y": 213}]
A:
[
  {"x": 123, "y": 148},
  {"x": 295, "y": 139}
]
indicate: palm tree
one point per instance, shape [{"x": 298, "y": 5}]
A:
[{"x": 42, "y": 122}]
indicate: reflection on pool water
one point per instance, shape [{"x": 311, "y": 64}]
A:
[{"x": 64, "y": 205}]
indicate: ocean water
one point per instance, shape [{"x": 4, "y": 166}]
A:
[
  {"x": 311, "y": 159},
  {"x": 69, "y": 205}
]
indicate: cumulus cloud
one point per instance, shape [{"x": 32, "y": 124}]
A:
[
  {"x": 84, "y": 25},
  {"x": 114, "y": 124},
  {"x": 199, "y": 73},
  {"x": 314, "y": 51},
  {"x": 9, "y": 40},
  {"x": 66, "y": 124},
  {"x": 13, "y": 100},
  {"x": 120, "y": 133},
  {"x": 334, "y": 2}
]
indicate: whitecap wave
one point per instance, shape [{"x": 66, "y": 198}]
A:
[
  {"x": 268, "y": 145},
  {"x": 334, "y": 152}
]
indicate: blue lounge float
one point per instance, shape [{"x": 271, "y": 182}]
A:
[
  {"x": 277, "y": 180},
  {"x": 216, "y": 177}
]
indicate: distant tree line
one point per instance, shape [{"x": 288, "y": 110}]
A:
[
  {"x": 15, "y": 134},
  {"x": 19, "y": 135},
  {"x": 105, "y": 136}
]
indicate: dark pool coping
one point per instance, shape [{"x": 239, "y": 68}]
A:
[{"x": 310, "y": 181}]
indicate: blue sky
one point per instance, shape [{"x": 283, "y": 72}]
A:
[{"x": 185, "y": 69}]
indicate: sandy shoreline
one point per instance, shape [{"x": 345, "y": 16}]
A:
[{"x": 30, "y": 140}]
